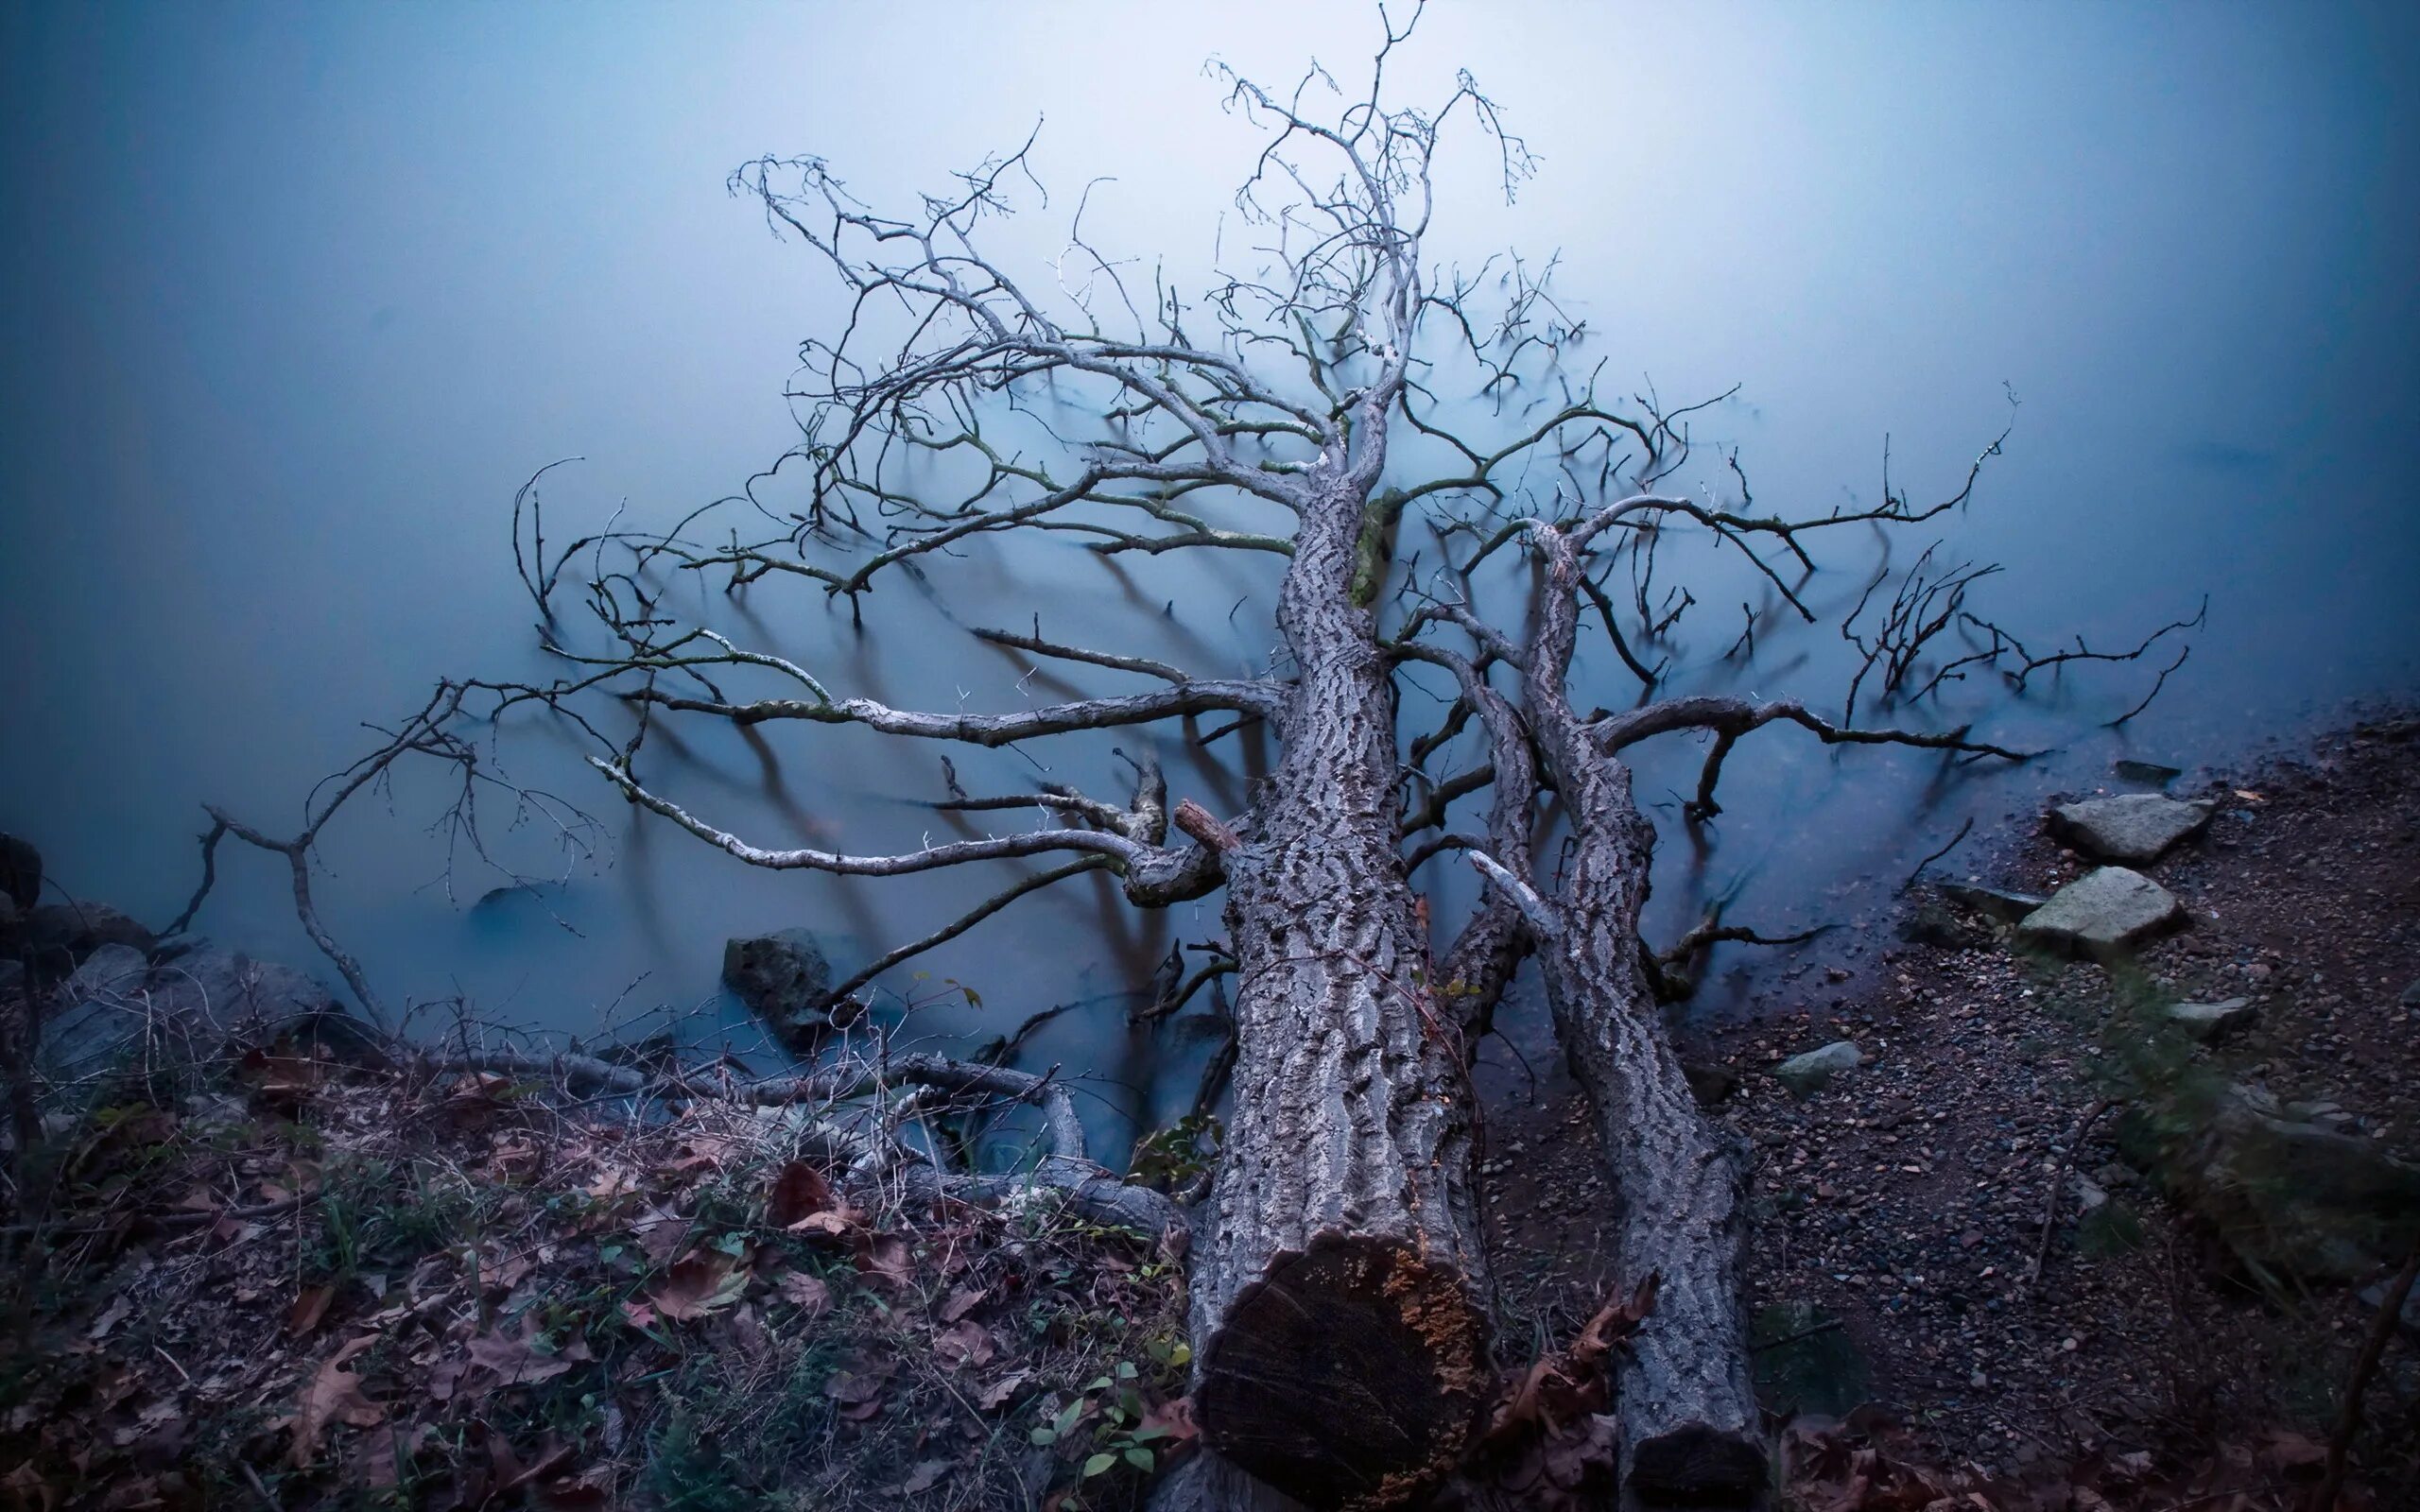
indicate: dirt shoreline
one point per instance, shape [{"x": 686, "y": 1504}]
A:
[{"x": 1898, "y": 1211}]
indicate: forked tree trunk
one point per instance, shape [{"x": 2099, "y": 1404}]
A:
[
  {"x": 1683, "y": 1392},
  {"x": 1341, "y": 1303}
]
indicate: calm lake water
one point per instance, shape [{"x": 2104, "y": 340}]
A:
[{"x": 297, "y": 296}]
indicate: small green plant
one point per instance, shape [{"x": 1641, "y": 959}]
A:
[
  {"x": 1122, "y": 1434},
  {"x": 1174, "y": 1158}
]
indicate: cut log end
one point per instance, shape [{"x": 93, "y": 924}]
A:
[
  {"x": 1349, "y": 1375},
  {"x": 1697, "y": 1466}
]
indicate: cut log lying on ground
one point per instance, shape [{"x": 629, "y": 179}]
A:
[{"x": 1342, "y": 1304}]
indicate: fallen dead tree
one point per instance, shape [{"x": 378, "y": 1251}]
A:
[{"x": 1341, "y": 1296}]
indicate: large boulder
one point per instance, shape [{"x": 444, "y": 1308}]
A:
[
  {"x": 20, "y": 871},
  {"x": 2106, "y": 909},
  {"x": 2291, "y": 1196},
  {"x": 103, "y": 1013},
  {"x": 2135, "y": 827},
  {"x": 61, "y": 937},
  {"x": 249, "y": 1002},
  {"x": 784, "y": 979},
  {"x": 206, "y": 1003}
]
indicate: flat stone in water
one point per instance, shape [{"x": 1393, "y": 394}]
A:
[
  {"x": 2129, "y": 827},
  {"x": 2212, "y": 1020},
  {"x": 2108, "y": 908}
]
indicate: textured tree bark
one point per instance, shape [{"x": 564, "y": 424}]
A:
[
  {"x": 1340, "y": 1306},
  {"x": 1683, "y": 1396}
]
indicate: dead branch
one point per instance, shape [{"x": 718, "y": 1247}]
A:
[{"x": 2357, "y": 1385}]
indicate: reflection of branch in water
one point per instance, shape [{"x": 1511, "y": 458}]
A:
[
  {"x": 1938, "y": 854},
  {"x": 429, "y": 731}
]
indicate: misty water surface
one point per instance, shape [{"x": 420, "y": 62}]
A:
[{"x": 297, "y": 296}]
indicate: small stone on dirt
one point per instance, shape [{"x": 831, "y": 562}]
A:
[
  {"x": 2130, "y": 827},
  {"x": 1992, "y": 903},
  {"x": 2106, "y": 908},
  {"x": 1809, "y": 1072},
  {"x": 2208, "y": 1022}
]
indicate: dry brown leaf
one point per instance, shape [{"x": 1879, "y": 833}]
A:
[
  {"x": 806, "y": 1293},
  {"x": 612, "y": 1182},
  {"x": 883, "y": 1258},
  {"x": 830, "y": 1224},
  {"x": 1174, "y": 1418},
  {"x": 660, "y": 1235},
  {"x": 925, "y": 1477},
  {"x": 310, "y": 1306},
  {"x": 963, "y": 1345},
  {"x": 513, "y": 1362},
  {"x": 799, "y": 1189},
  {"x": 997, "y": 1394},
  {"x": 853, "y": 1387},
  {"x": 334, "y": 1395},
  {"x": 110, "y": 1317},
  {"x": 702, "y": 1282},
  {"x": 960, "y": 1302}
]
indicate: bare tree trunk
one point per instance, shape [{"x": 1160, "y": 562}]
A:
[
  {"x": 1683, "y": 1396},
  {"x": 1342, "y": 1303}
]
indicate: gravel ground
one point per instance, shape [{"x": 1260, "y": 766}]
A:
[{"x": 1899, "y": 1210}]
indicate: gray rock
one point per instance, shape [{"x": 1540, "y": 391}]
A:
[
  {"x": 2288, "y": 1195},
  {"x": 1809, "y": 1072},
  {"x": 784, "y": 980},
  {"x": 207, "y": 1003},
  {"x": 1992, "y": 902},
  {"x": 2129, "y": 827},
  {"x": 254, "y": 1003},
  {"x": 2410, "y": 998},
  {"x": 62, "y": 934},
  {"x": 20, "y": 871},
  {"x": 101, "y": 1013},
  {"x": 2108, "y": 908},
  {"x": 2208, "y": 1022}
]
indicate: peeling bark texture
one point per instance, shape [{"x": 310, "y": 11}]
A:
[
  {"x": 1343, "y": 1301},
  {"x": 1683, "y": 1396}
]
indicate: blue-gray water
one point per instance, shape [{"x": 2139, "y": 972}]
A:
[{"x": 295, "y": 296}]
